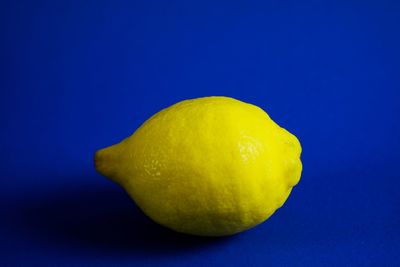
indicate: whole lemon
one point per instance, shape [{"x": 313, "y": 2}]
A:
[{"x": 209, "y": 166}]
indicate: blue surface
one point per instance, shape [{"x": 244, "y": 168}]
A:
[{"x": 80, "y": 75}]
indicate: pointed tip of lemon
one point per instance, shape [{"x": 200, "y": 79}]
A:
[
  {"x": 98, "y": 160},
  {"x": 104, "y": 162}
]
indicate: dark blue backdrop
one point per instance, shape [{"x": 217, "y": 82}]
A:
[{"x": 80, "y": 75}]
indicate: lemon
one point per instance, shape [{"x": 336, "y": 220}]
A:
[{"x": 210, "y": 166}]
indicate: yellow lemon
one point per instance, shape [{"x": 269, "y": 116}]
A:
[{"x": 209, "y": 166}]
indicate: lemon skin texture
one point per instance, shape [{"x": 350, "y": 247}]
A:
[{"x": 210, "y": 166}]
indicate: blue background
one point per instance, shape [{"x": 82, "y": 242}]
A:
[{"x": 80, "y": 75}]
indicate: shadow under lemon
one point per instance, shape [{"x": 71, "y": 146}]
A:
[{"x": 102, "y": 217}]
